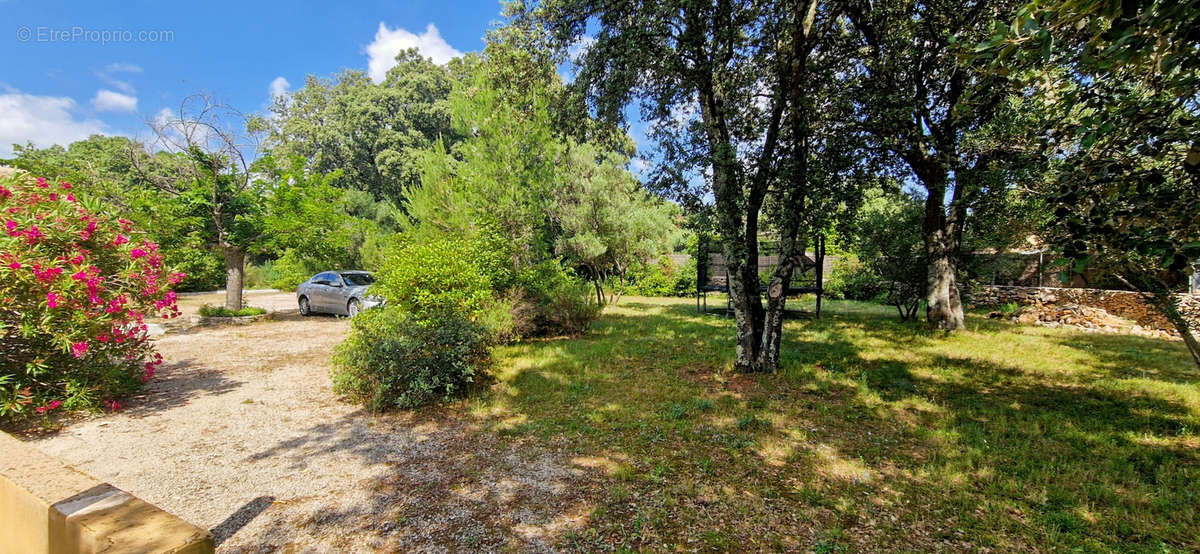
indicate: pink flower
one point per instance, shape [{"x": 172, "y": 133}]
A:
[
  {"x": 137, "y": 253},
  {"x": 41, "y": 182},
  {"x": 11, "y": 226},
  {"x": 80, "y": 276},
  {"x": 5, "y": 193},
  {"x": 53, "y": 197},
  {"x": 148, "y": 374},
  {"x": 112, "y": 405},
  {"x": 47, "y": 407},
  {"x": 120, "y": 240},
  {"x": 51, "y": 300},
  {"x": 70, "y": 197},
  {"x": 14, "y": 265},
  {"x": 77, "y": 260},
  {"x": 103, "y": 337},
  {"x": 33, "y": 235},
  {"x": 125, "y": 224},
  {"x": 79, "y": 349},
  {"x": 47, "y": 275},
  {"x": 65, "y": 185}
]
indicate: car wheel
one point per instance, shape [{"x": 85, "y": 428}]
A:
[
  {"x": 353, "y": 307},
  {"x": 305, "y": 308}
]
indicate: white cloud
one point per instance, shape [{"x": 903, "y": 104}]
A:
[
  {"x": 44, "y": 120},
  {"x": 123, "y": 67},
  {"x": 575, "y": 53},
  {"x": 639, "y": 165},
  {"x": 109, "y": 101},
  {"x": 164, "y": 116},
  {"x": 381, "y": 53},
  {"x": 279, "y": 87},
  {"x": 107, "y": 75},
  {"x": 579, "y": 48}
]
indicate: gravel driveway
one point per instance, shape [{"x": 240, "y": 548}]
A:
[{"x": 241, "y": 434}]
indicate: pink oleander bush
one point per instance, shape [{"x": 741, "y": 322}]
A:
[{"x": 75, "y": 289}]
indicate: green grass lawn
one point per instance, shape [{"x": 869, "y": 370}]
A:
[{"x": 875, "y": 435}]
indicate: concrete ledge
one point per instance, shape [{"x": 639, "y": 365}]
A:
[{"x": 48, "y": 506}]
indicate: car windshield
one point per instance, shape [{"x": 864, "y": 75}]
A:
[{"x": 358, "y": 279}]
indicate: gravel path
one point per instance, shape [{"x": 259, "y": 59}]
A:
[{"x": 241, "y": 434}]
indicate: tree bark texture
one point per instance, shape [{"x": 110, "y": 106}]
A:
[
  {"x": 235, "y": 265},
  {"x": 942, "y": 240}
]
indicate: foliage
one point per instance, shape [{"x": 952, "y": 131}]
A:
[
  {"x": 77, "y": 287},
  {"x": 202, "y": 156},
  {"x": 314, "y": 226},
  {"x": 662, "y": 277},
  {"x": 1118, "y": 85},
  {"x": 500, "y": 176},
  {"x": 936, "y": 118},
  {"x": 100, "y": 171},
  {"x": 746, "y": 103},
  {"x": 608, "y": 221},
  {"x": 372, "y": 133},
  {"x": 392, "y": 359},
  {"x": 209, "y": 310},
  {"x": 888, "y": 240},
  {"x": 852, "y": 279},
  {"x": 434, "y": 336},
  {"x": 562, "y": 303},
  {"x": 435, "y": 280},
  {"x": 260, "y": 275}
]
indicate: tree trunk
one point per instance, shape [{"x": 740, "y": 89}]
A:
[
  {"x": 943, "y": 304},
  {"x": 235, "y": 265},
  {"x": 1169, "y": 304},
  {"x": 790, "y": 253}
]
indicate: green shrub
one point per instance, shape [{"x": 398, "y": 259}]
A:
[
  {"x": 443, "y": 314},
  {"x": 77, "y": 288},
  {"x": 562, "y": 303},
  {"x": 209, "y": 310},
  {"x": 851, "y": 279},
  {"x": 205, "y": 268},
  {"x": 662, "y": 278},
  {"x": 260, "y": 276},
  {"x": 290, "y": 270},
  {"x": 393, "y": 360},
  {"x": 435, "y": 279}
]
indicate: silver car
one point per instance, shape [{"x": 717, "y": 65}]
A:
[{"x": 337, "y": 292}]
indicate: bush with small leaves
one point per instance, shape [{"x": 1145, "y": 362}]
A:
[
  {"x": 394, "y": 360},
  {"x": 76, "y": 288}
]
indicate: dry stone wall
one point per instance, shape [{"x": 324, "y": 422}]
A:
[{"x": 1129, "y": 305}]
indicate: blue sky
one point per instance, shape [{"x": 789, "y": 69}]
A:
[{"x": 68, "y": 69}]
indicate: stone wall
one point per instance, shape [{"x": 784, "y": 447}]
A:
[{"x": 1130, "y": 305}]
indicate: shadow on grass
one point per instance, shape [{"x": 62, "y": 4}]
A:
[
  {"x": 982, "y": 453},
  {"x": 1126, "y": 356}
]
